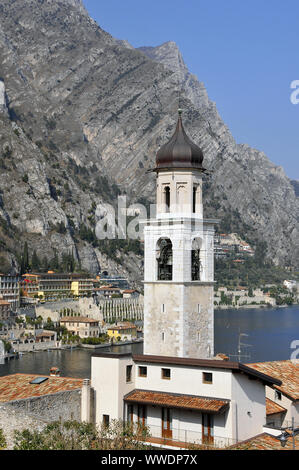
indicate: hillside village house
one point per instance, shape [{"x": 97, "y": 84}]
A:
[
  {"x": 124, "y": 331},
  {"x": 181, "y": 399},
  {"x": 130, "y": 293},
  {"x": 10, "y": 290},
  {"x": 282, "y": 400},
  {"x": 52, "y": 285},
  {"x": 178, "y": 388},
  {"x": 108, "y": 291},
  {"x": 290, "y": 284},
  {"x": 81, "y": 326},
  {"x": 5, "y": 309}
]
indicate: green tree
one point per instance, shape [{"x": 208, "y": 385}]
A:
[
  {"x": 260, "y": 252},
  {"x": 25, "y": 265},
  {"x": 3, "y": 443},
  {"x": 35, "y": 262},
  {"x": 74, "y": 435},
  {"x": 45, "y": 264},
  {"x": 54, "y": 263}
]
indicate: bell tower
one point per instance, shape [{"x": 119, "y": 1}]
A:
[{"x": 179, "y": 256}]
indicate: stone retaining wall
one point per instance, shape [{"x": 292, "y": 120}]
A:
[{"x": 62, "y": 405}]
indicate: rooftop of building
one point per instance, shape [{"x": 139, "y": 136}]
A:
[
  {"x": 122, "y": 326},
  {"x": 273, "y": 408},
  {"x": 52, "y": 274},
  {"x": 286, "y": 371},
  {"x": 175, "y": 400},
  {"x": 108, "y": 288},
  {"x": 265, "y": 441},
  {"x": 78, "y": 319},
  {"x": 45, "y": 333},
  {"x": 18, "y": 387}
]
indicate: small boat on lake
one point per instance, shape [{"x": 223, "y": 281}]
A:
[{"x": 54, "y": 372}]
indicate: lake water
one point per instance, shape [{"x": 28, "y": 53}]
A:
[{"x": 270, "y": 333}]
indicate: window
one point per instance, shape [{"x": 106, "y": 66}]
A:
[
  {"x": 277, "y": 395},
  {"x": 129, "y": 373},
  {"x": 167, "y": 198},
  {"x": 163, "y": 336},
  {"x": 194, "y": 198},
  {"x": 207, "y": 377},
  {"x": 166, "y": 374},
  {"x": 142, "y": 371},
  {"x": 106, "y": 420}
]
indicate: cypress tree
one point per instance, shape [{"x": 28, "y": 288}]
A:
[{"x": 35, "y": 262}]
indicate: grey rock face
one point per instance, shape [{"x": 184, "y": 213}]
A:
[
  {"x": 251, "y": 183},
  {"x": 86, "y": 116}
]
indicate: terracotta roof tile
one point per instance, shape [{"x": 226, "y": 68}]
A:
[
  {"x": 177, "y": 401},
  {"x": 286, "y": 371},
  {"x": 273, "y": 408},
  {"x": 18, "y": 387},
  {"x": 78, "y": 320},
  {"x": 265, "y": 442}
]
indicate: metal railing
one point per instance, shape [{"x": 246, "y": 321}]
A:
[{"x": 186, "y": 438}]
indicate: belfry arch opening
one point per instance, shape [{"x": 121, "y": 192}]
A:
[
  {"x": 164, "y": 260},
  {"x": 196, "y": 266}
]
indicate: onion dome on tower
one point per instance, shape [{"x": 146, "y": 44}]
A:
[{"x": 180, "y": 151}]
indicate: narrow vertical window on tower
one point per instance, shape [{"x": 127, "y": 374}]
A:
[
  {"x": 167, "y": 198},
  {"x": 195, "y": 259},
  {"x": 164, "y": 260},
  {"x": 194, "y": 199}
]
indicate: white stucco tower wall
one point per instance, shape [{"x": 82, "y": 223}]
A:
[{"x": 179, "y": 258}]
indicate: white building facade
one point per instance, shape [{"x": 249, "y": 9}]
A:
[{"x": 200, "y": 401}]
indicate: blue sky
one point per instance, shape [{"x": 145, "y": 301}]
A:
[{"x": 245, "y": 52}]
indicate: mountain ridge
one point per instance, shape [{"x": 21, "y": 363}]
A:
[{"x": 85, "y": 115}]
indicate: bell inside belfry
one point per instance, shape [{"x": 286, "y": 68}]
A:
[
  {"x": 165, "y": 260},
  {"x": 195, "y": 265}
]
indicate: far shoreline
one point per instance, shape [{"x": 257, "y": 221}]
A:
[{"x": 249, "y": 307}]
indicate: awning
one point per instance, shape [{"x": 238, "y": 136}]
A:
[{"x": 171, "y": 400}]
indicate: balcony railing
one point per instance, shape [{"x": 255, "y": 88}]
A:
[{"x": 185, "y": 438}]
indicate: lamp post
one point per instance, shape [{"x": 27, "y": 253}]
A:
[{"x": 284, "y": 436}]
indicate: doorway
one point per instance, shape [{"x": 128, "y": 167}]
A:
[
  {"x": 167, "y": 423},
  {"x": 207, "y": 428}
]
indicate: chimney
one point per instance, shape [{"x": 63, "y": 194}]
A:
[{"x": 86, "y": 402}]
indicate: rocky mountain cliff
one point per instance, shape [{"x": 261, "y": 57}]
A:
[{"x": 82, "y": 116}]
